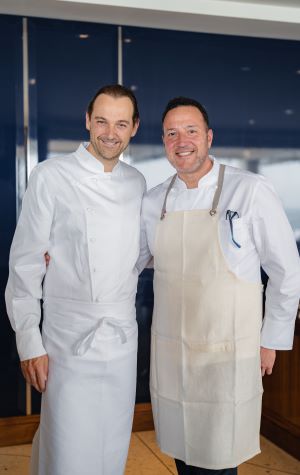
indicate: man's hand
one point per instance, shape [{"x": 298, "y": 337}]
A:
[
  {"x": 35, "y": 371},
  {"x": 267, "y": 360},
  {"x": 47, "y": 258}
]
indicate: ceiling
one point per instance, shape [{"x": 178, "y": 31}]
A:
[{"x": 267, "y": 18}]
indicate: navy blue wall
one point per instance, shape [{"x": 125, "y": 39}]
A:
[
  {"x": 10, "y": 44},
  {"x": 236, "y": 78},
  {"x": 68, "y": 71}
]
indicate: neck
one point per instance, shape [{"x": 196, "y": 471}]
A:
[
  {"x": 108, "y": 165},
  {"x": 192, "y": 179}
]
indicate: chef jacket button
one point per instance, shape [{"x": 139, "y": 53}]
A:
[
  {"x": 92, "y": 239},
  {"x": 94, "y": 269}
]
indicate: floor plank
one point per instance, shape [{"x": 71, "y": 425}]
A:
[{"x": 145, "y": 458}]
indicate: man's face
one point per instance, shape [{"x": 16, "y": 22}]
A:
[
  {"x": 186, "y": 138},
  {"x": 111, "y": 127}
]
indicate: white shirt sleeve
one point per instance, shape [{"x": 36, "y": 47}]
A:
[
  {"x": 279, "y": 258},
  {"x": 27, "y": 266}
]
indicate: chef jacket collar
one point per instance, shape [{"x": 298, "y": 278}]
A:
[
  {"x": 207, "y": 180},
  {"x": 90, "y": 162}
]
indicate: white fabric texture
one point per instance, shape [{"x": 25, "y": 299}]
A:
[
  {"x": 87, "y": 409},
  {"x": 89, "y": 222},
  {"x": 262, "y": 230}
]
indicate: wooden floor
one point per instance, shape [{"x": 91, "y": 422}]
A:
[{"x": 146, "y": 459}]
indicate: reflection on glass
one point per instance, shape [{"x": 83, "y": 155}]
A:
[{"x": 285, "y": 176}]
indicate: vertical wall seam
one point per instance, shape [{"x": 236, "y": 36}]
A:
[{"x": 120, "y": 55}]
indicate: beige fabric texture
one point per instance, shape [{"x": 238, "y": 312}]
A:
[{"x": 206, "y": 382}]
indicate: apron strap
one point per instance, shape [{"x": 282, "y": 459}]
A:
[
  {"x": 164, "y": 208},
  {"x": 218, "y": 191},
  {"x": 215, "y": 199}
]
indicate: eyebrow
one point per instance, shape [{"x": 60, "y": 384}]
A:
[
  {"x": 185, "y": 127},
  {"x": 124, "y": 121},
  {"x": 97, "y": 117}
]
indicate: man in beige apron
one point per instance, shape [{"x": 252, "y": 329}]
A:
[{"x": 206, "y": 360}]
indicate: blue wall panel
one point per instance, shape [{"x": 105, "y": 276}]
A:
[
  {"x": 10, "y": 43},
  {"x": 68, "y": 71},
  {"x": 238, "y": 79}
]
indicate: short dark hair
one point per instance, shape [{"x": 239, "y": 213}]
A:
[
  {"x": 185, "y": 101},
  {"x": 116, "y": 90}
]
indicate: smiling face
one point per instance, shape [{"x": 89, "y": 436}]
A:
[
  {"x": 187, "y": 141},
  {"x": 111, "y": 128}
]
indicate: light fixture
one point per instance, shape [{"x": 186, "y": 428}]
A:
[
  {"x": 83, "y": 36},
  {"x": 245, "y": 69},
  {"x": 289, "y": 112},
  {"x": 127, "y": 40},
  {"x": 32, "y": 81},
  {"x": 251, "y": 121},
  {"x": 133, "y": 87},
  {"x": 298, "y": 72}
]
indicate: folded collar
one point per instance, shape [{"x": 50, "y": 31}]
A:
[
  {"x": 209, "y": 179},
  {"x": 90, "y": 163}
]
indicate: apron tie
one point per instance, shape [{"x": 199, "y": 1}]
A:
[{"x": 85, "y": 343}]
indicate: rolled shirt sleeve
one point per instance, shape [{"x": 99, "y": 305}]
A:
[
  {"x": 27, "y": 266},
  {"x": 279, "y": 258}
]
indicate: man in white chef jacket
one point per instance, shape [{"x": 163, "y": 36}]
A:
[
  {"x": 84, "y": 209},
  {"x": 209, "y": 228}
]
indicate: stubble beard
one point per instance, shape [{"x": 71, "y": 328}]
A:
[
  {"x": 101, "y": 155},
  {"x": 195, "y": 168}
]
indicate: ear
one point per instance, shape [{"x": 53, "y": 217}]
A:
[
  {"x": 135, "y": 128},
  {"x": 87, "y": 121},
  {"x": 210, "y": 136}
]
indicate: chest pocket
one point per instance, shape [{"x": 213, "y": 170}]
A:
[{"x": 237, "y": 234}]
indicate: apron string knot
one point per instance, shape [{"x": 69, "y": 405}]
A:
[{"x": 85, "y": 343}]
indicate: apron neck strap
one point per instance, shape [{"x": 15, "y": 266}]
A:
[
  {"x": 218, "y": 191},
  {"x": 164, "y": 208},
  {"x": 215, "y": 199}
]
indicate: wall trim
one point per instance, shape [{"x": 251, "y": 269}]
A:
[
  {"x": 282, "y": 433},
  {"x": 21, "y": 429}
]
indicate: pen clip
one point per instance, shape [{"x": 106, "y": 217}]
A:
[{"x": 230, "y": 215}]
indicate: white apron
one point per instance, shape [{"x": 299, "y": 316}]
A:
[
  {"x": 90, "y": 390},
  {"x": 206, "y": 383}
]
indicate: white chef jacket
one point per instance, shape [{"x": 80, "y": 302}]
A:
[
  {"x": 88, "y": 221},
  {"x": 261, "y": 229}
]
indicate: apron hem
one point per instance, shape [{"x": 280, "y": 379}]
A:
[{"x": 213, "y": 467}]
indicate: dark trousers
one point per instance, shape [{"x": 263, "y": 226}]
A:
[{"x": 184, "y": 469}]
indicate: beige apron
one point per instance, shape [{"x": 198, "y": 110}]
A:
[{"x": 205, "y": 359}]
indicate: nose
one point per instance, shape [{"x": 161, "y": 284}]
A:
[
  {"x": 181, "y": 139},
  {"x": 110, "y": 132}
]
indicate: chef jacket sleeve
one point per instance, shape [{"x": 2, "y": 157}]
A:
[
  {"x": 279, "y": 258},
  {"x": 27, "y": 266}
]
